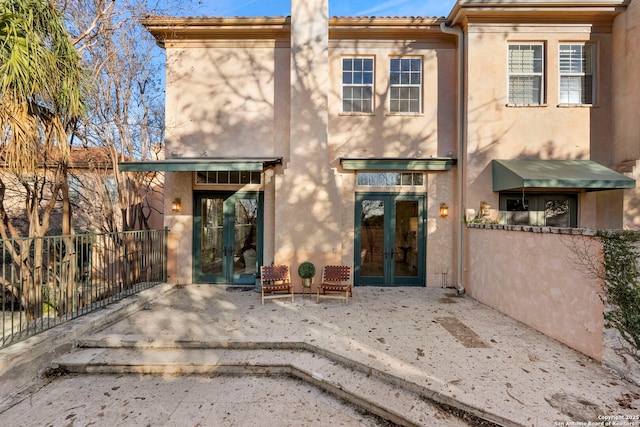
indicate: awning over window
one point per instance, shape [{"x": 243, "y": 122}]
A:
[
  {"x": 574, "y": 174},
  {"x": 201, "y": 164},
  {"x": 399, "y": 164}
]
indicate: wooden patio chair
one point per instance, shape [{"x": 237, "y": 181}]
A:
[
  {"x": 275, "y": 281},
  {"x": 336, "y": 283}
]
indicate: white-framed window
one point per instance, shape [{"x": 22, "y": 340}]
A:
[
  {"x": 526, "y": 73},
  {"x": 357, "y": 85},
  {"x": 577, "y": 69},
  {"x": 405, "y": 85}
]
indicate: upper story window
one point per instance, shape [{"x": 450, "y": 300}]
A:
[
  {"x": 526, "y": 73},
  {"x": 357, "y": 85},
  {"x": 576, "y": 73},
  {"x": 405, "y": 85}
]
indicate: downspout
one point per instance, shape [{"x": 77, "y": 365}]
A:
[{"x": 461, "y": 153}]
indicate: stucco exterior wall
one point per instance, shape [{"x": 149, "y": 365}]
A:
[
  {"x": 249, "y": 98},
  {"x": 626, "y": 107},
  {"x": 180, "y": 225},
  {"x": 227, "y": 99},
  {"x": 496, "y": 130},
  {"x": 431, "y": 133},
  {"x": 539, "y": 278}
]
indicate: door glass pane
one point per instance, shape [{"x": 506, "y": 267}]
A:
[
  {"x": 406, "y": 251},
  {"x": 372, "y": 238},
  {"x": 211, "y": 247},
  {"x": 244, "y": 253}
]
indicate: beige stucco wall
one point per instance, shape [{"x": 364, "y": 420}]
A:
[
  {"x": 381, "y": 134},
  {"x": 226, "y": 99},
  {"x": 539, "y": 279},
  {"x": 248, "y": 98},
  {"x": 496, "y": 130},
  {"x": 626, "y": 107},
  {"x": 180, "y": 225}
]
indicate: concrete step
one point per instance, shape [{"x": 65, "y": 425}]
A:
[{"x": 390, "y": 398}]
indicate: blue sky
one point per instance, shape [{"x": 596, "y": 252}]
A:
[{"x": 336, "y": 7}]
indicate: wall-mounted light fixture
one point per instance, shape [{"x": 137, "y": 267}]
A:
[
  {"x": 444, "y": 210},
  {"x": 176, "y": 205}
]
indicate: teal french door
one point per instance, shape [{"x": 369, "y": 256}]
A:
[
  {"x": 390, "y": 242},
  {"x": 227, "y": 237}
]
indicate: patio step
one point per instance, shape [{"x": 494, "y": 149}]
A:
[{"x": 369, "y": 390}]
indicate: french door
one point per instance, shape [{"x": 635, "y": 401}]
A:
[
  {"x": 390, "y": 239},
  {"x": 227, "y": 237}
]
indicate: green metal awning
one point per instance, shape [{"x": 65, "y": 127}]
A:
[
  {"x": 399, "y": 164},
  {"x": 575, "y": 174},
  {"x": 201, "y": 164}
]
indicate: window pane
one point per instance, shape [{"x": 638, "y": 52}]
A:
[
  {"x": 518, "y": 212},
  {"x": 525, "y": 90},
  {"x": 557, "y": 213}
]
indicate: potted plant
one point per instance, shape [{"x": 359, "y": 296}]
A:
[{"x": 306, "y": 271}]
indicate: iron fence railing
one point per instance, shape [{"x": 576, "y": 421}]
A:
[{"x": 47, "y": 281}]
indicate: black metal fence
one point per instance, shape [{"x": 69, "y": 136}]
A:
[{"x": 49, "y": 280}]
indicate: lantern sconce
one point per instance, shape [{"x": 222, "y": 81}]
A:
[
  {"x": 176, "y": 205},
  {"x": 444, "y": 210}
]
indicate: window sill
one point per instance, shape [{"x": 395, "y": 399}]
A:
[
  {"x": 355, "y": 114},
  {"x": 526, "y": 105},
  {"x": 577, "y": 106},
  {"x": 405, "y": 114}
]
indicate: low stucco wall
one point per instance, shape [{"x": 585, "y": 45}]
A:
[{"x": 537, "y": 275}]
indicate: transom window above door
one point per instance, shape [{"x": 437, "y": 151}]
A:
[
  {"x": 357, "y": 85},
  {"x": 228, "y": 177},
  {"x": 390, "y": 179}
]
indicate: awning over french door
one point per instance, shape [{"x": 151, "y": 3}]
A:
[{"x": 201, "y": 164}]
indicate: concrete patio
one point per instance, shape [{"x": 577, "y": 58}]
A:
[{"x": 391, "y": 350}]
